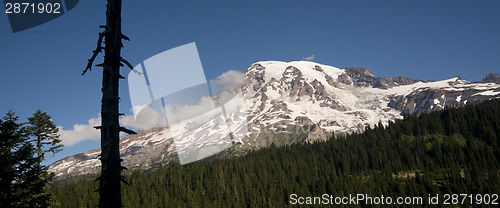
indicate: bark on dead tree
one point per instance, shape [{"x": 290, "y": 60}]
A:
[{"x": 110, "y": 179}]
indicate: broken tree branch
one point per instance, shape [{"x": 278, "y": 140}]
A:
[
  {"x": 122, "y": 178},
  {"x": 124, "y": 37},
  {"x": 128, "y": 131},
  {"x": 96, "y": 51},
  {"x": 130, "y": 66}
]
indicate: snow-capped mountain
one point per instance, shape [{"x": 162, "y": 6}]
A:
[
  {"x": 137, "y": 150},
  {"x": 301, "y": 101}
]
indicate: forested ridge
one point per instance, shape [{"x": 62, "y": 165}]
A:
[{"x": 455, "y": 151}]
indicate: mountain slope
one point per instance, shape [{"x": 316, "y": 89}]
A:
[
  {"x": 456, "y": 150},
  {"x": 300, "y": 101}
]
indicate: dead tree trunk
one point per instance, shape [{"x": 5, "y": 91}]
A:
[
  {"x": 110, "y": 179},
  {"x": 110, "y": 183}
]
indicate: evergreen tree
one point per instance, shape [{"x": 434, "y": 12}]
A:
[
  {"x": 45, "y": 133},
  {"x": 13, "y": 152},
  {"x": 397, "y": 160},
  {"x": 22, "y": 178}
]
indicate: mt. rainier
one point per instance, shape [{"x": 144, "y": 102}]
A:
[{"x": 301, "y": 101}]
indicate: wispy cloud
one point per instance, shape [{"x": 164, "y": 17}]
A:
[
  {"x": 80, "y": 132},
  {"x": 151, "y": 116},
  {"x": 229, "y": 79},
  {"x": 309, "y": 58},
  {"x": 148, "y": 118}
]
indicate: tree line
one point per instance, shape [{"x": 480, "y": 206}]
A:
[{"x": 451, "y": 151}]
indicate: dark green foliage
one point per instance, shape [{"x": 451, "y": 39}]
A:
[
  {"x": 451, "y": 151},
  {"x": 23, "y": 179},
  {"x": 45, "y": 134}
]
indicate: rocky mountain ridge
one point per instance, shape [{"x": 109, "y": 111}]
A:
[{"x": 301, "y": 101}]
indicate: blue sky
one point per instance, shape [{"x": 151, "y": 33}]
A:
[{"x": 428, "y": 40}]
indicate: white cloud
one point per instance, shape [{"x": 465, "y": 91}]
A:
[
  {"x": 310, "y": 58},
  {"x": 179, "y": 113},
  {"x": 147, "y": 118},
  {"x": 229, "y": 79},
  {"x": 151, "y": 116},
  {"x": 80, "y": 132}
]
